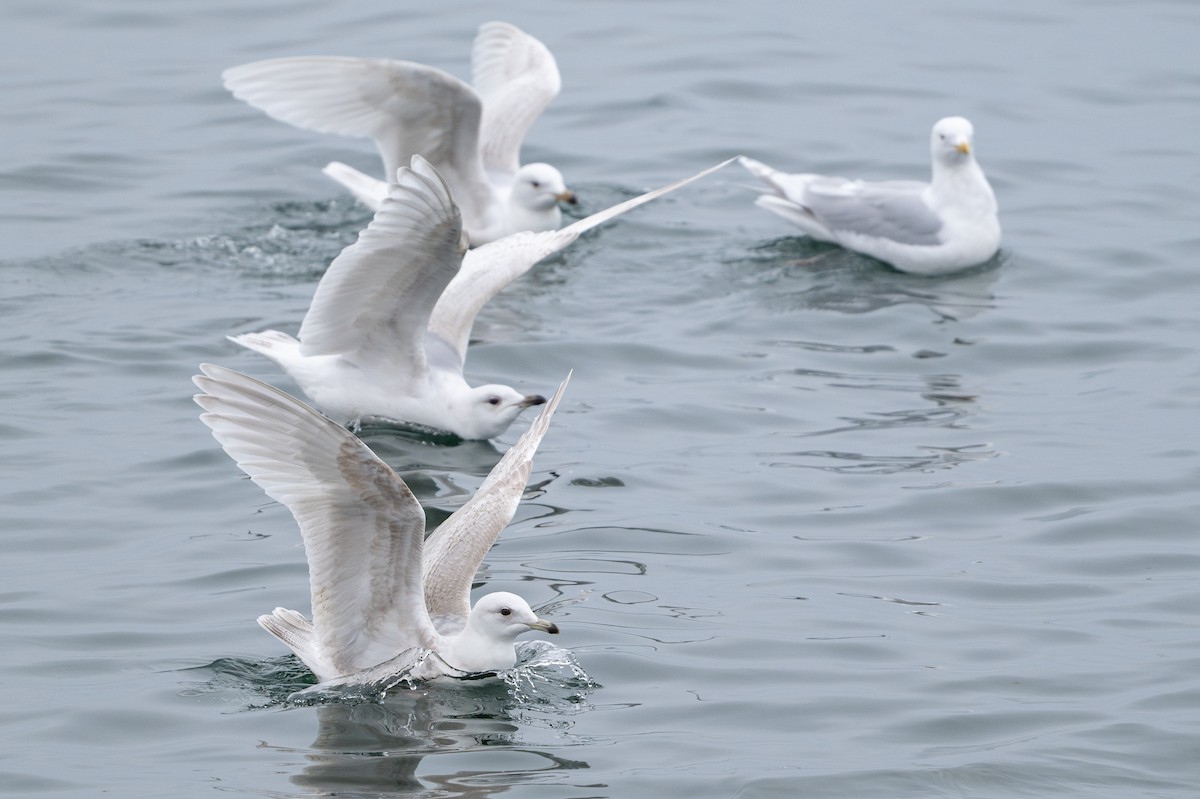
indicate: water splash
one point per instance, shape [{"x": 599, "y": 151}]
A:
[{"x": 545, "y": 677}]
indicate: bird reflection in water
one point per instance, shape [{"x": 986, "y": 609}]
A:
[{"x": 470, "y": 741}]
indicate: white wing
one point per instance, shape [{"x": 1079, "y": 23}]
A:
[
  {"x": 362, "y": 527},
  {"x": 517, "y": 77},
  {"x": 456, "y": 548},
  {"x": 406, "y": 108},
  {"x": 374, "y": 302},
  {"x": 488, "y": 269}
]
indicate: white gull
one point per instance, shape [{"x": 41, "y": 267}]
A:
[
  {"x": 471, "y": 134},
  {"x": 379, "y": 589},
  {"x": 386, "y": 334},
  {"x": 930, "y": 228}
]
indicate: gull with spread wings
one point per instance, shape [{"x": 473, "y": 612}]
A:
[
  {"x": 379, "y": 589},
  {"x": 930, "y": 228},
  {"x": 387, "y": 331},
  {"x": 472, "y": 134}
]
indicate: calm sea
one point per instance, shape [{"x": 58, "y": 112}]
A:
[{"x": 810, "y": 527}]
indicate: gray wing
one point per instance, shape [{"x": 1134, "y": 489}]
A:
[
  {"x": 488, "y": 269},
  {"x": 517, "y": 77},
  {"x": 891, "y": 210},
  {"x": 456, "y": 548},
  {"x": 363, "y": 529},
  {"x": 374, "y": 302}
]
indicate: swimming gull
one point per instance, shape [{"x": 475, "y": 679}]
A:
[
  {"x": 471, "y": 134},
  {"x": 378, "y": 588},
  {"x": 386, "y": 334},
  {"x": 924, "y": 228}
]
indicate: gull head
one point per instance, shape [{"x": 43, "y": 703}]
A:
[
  {"x": 950, "y": 141},
  {"x": 540, "y": 187},
  {"x": 490, "y": 409},
  {"x": 486, "y": 643}
]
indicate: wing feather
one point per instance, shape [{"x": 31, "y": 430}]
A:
[
  {"x": 406, "y": 108},
  {"x": 488, "y": 269},
  {"x": 895, "y": 210},
  {"x": 457, "y": 547},
  {"x": 362, "y": 528},
  {"x": 374, "y": 302},
  {"x": 517, "y": 77}
]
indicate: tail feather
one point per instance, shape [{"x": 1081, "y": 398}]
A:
[
  {"x": 271, "y": 343},
  {"x": 764, "y": 173},
  {"x": 297, "y": 633},
  {"x": 370, "y": 191}
]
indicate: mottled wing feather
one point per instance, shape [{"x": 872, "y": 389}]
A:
[
  {"x": 362, "y": 527},
  {"x": 374, "y": 302},
  {"x": 488, "y": 269},
  {"x": 456, "y": 548},
  {"x": 517, "y": 78}
]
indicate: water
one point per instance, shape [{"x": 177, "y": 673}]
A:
[{"x": 810, "y": 526}]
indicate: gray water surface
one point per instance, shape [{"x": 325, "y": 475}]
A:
[{"x": 810, "y": 527}]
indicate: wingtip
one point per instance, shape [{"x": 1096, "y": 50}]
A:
[
  {"x": 423, "y": 172},
  {"x": 207, "y": 371},
  {"x": 600, "y": 217},
  {"x": 552, "y": 403}
]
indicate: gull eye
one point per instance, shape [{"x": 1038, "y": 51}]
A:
[
  {"x": 505, "y": 611},
  {"x": 536, "y": 184},
  {"x": 493, "y": 400}
]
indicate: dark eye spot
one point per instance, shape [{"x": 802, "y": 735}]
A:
[
  {"x": 493, "y": 400},
  {"x": 536, "y": 184},
  {"x": 505, "y": 612}
]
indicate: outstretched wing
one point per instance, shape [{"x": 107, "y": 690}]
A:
[
  {"x": 456, "y": 548},
  {"x": 517, "y": 77},
  {"x": 488, "y": 269},
  {"x": 406, "y": 108},
  {"x": 374, "y": 302},
  {"x": 362, "y": 528}
]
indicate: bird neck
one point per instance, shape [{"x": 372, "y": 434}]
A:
[
  {"x": 473, "y": 651},
  {"x": 965, "y": 182}
]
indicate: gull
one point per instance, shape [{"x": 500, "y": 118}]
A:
[
  {"x": 378, "y": 588},
  {"x": 387, "y": 331},
  {"x": 471, "y": 134},
  {"x": 930, "y": 228}
]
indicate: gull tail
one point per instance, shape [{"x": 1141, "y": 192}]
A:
[
  {"x": 764, "y": 173},
  {"x": 275, "y": 345},
  {"x": 781, "y": 196},
  {"x": 369, "y": 191},
  {"x": 795, "y": 213},
  {"x": 297, "y": 633}
]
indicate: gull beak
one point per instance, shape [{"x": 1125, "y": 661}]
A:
[
  {"x": 567, "y": 197},
  {"x": 531, "y": 400},
  {"x": 545, "y": 626},
  {"x": 963, "y": 147}
]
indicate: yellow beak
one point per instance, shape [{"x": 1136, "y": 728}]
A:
[
  {"x": 568, "y": 197},
  {"x": 963, "y": 147}
]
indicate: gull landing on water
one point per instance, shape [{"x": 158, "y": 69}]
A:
[
  {"x": 924, "y": 228},
  {"x": 471, "y": 134},
  {"x": 378, "y": 587},
  {"x": 387, "y": 331}
]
